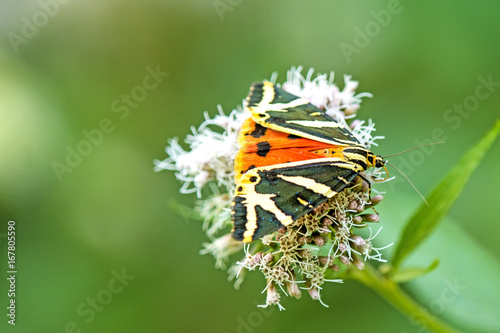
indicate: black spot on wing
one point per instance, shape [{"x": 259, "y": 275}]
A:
[
  {"x": 269, "y": 176},
  {"x": 258, "y": 132},
  {"x": 293, "y": 137},
  {"x": 263, "y": 148}
]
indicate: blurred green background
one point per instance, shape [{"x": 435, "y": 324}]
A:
[{"x": 64, "y": 67}]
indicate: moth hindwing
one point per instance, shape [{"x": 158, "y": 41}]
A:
[{"x": 293, "y": 157}]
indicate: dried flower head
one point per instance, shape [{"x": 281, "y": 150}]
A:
[{"x": 315, "y": 248}]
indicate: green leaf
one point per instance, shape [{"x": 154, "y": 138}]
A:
[
  {"x": 464, "y": 261},
  {"x": 425, "y": 220},
  {"x": 413, "y": 273},
  {"x": 464, "y": 289}
]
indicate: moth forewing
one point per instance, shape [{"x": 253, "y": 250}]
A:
[
  {"x": 274, "y": 108},
  {"x": 269, "y": 198}
]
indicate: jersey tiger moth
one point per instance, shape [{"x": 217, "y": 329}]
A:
[{"x": 292, "y": 158}]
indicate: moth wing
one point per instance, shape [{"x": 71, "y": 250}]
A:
[
  {"x": 277, "y": 109},
  {"x": 268, "y": 198},
  {"x": 261, "y": 146},
  {"x": 252, "y": 133}
]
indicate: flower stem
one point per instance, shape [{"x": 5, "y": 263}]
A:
[{"x": 390, "y": 290}]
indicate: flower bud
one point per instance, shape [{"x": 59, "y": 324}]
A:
[
  {"x": 293, "y": 289},
  {"x": 370, "y": 218},
  {"x": 326, "y": 221},
  {"x": 323, "y": 260},
  {"x": 320, "y": 241},
  {"x": 357, "y": 219},
  {"x": 358, "y": 240},
  {"x": 314, "y": 293},
  {"x": 377, "y": 199},
  {"x": 345, "y": 260},
  {"x": 267, "y": 258},
  {"x": 365, "y": 187},
  {"x": 360, "y": 208},
  {"x": 257, "y": 258},
  {"x": 358, "y": 263},
  {"x": 342, "y": 247},
  {"x": 272, "y": 295},
  {"x": 334, "y": 267}
]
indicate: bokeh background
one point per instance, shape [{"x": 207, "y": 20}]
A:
[{"x": 64, "y": 67}]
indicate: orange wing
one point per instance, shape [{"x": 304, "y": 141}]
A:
[{"x": 261, "y": 146}]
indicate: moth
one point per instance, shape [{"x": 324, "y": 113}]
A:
[{"x": 292, "y": 158}]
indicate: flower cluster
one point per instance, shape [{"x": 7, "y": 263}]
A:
[{"x": 314, "y": 248}]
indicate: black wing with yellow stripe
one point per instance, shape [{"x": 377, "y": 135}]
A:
[
  {"x": 277, "y": 109},
  {"x": 271, "y": 197}
]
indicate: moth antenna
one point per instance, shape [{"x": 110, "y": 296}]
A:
[
  {"x": 405, "y": 151},
  {"x": 409, "y": 181}
]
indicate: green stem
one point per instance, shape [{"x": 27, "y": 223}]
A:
[{"x": 390, "y": 290}]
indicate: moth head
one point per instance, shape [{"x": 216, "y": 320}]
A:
[
  {"x": 373, "y": 160},
  {"x": 379, "y": 162}
]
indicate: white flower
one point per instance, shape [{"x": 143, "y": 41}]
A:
[
  {"x": 324, "y": 94},
  {"x": 348, "y": 100},
  {"x": 211, "y": 154},
  {"x": 339, "y": 104},
  {"x": 368, "y": 250},
  {"x": 272, "y": 297},
  {"x": 320, "y": 91},
  {"x": 215, "y": 211},
  {"x": 363, "y": 132},
  {"x": 221, "y": 249}
]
